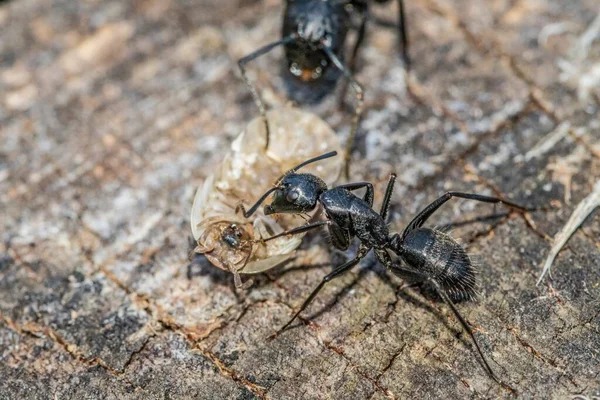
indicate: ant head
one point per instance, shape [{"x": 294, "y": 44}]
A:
[
  {"x": 294, "y": 193},
  {"x": 297, "y": 193}
]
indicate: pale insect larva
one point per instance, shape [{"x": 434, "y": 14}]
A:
[{"x": 224, "y": 236}]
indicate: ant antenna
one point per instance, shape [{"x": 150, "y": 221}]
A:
[
  {"x": 305, "y": 163},
  {"x": 253, "y": 209}
]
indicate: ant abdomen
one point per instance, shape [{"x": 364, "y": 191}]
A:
[{"x": 437, "y": 255}]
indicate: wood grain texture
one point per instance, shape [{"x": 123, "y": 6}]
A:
[{"x": 113, "y": 112}]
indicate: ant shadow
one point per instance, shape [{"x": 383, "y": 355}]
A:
[
  {"x": 486, "y": 218},
  {"x": 340, "y": 296},
  {"x": 280, "y": 270}
]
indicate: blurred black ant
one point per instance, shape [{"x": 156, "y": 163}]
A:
[
  {"x": 313, "y": 35},
  {"x": 430, "y": 255}
]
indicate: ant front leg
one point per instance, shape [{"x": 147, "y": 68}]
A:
[
  {"x": 369, "y": 194},
  {"x": 420, "y": 219},
  {"x": 242, "y": 64},
  {"x": 297, "y": 231},
  {"x": 359, "y": 106}
]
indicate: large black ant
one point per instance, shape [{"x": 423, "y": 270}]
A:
[
  {"x": 313, "y": 36},
  {"x": 430, "y": 255}
]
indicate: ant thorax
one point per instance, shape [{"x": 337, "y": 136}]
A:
[{"x": 232, "y": 242}]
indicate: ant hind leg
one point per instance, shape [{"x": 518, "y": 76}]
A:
[
  {"x": 466, "y": 327},
  {"x": 428, "y": 211}
]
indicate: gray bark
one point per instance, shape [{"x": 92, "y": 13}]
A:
[{"x": 113, "y": 112}]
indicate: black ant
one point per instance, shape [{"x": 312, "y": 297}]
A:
[
  {"x": 313, "y": 36},
  {"x": 430, "y": 255}
]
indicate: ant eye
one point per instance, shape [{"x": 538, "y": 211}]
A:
[{"x": 292, "y": 196}]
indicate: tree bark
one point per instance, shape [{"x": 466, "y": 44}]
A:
[{"x": 113, "y": 112}]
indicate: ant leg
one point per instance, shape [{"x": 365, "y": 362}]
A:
[
  {"x": 420, "y": 219},
  {"x": 359, "y": 106},
  {"x": 385, "y": 206},
  {"x": 403, "y": 39},
  {"x": 403, "y": 42},
  {"x": 442, "y": 293},
  {"x": 337, "y": 272},
  {"x": 417, "y": 277},
  {"x": 298, "y": 230},
  {"x": 408, "y": 275},
  {"x": 237, "y": 280},
  {"x": 404, "y": 273},
  {"x": 242, "y": 63},
  {"x": 364, "y": 15},
  {"x": 340, "y": 238},
  {"x": 362, "y": 7},
  {"x": 369, "y": 195}
]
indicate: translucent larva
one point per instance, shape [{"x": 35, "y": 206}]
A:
[{"x": 224, "y": 236}]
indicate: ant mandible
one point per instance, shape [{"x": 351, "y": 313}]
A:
[
  {"x": 430, "y": 255},
  {"x": 313, "y": 36}
]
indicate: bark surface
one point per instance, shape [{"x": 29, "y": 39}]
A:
[{"x": 112, "y": 113}]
